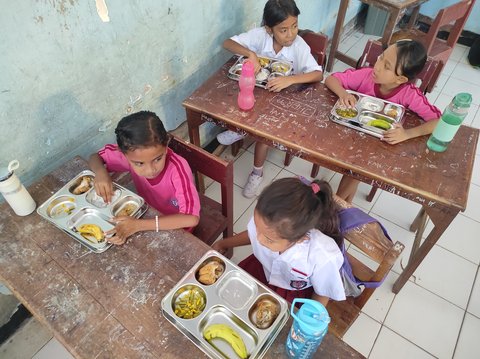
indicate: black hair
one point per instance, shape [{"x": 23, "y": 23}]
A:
[
  {"x": 140, "y": 129},
  {"x": 292, "y": 208},
  {"x": 277, "y": 11},
  {"x": 411, "y": 58}
]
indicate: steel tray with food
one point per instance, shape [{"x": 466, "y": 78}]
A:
[
  {"x": 224, "y": 311},
  {"x": 270, "y": 68},
  {"x": 77, "y": 210},
  {"x": 370, "y": 114}
]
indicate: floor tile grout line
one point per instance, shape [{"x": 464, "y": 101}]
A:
[{"x": 401, "y": 336}]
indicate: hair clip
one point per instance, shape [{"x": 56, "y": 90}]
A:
[
  {"x": 315, "y": 187},
  {"x": 304, "y": 180}
]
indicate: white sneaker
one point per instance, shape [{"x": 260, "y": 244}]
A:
[
  {"x": 228, "y": 137},
  {"x": 250, "y": 189}
]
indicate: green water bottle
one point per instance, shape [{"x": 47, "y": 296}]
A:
[{"x": 450, "y": 122}]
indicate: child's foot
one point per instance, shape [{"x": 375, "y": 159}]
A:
[
  {"x": 250, "y": 189},
  {"x": 229, "y": 137}
]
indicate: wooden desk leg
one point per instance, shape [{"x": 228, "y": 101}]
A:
[
  {"x": 419, "y": 224},
  {"x": 194, "y": 120},
  {"x": 441, "y": 220},
  {"x": 342, "y": 10},
  {"x": 392, "y": 21}
]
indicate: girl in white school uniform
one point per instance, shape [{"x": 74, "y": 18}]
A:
[
  {"x": 277, "y": 38},
  {"x": 295, "y": 238}
]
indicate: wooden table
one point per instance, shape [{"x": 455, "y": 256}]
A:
[
  {"x": 297, "y": 120},
  {"x": 395, "y": 8},
  {"x": 106, "y": 305}
]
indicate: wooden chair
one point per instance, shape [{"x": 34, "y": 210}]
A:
[
  {"x": 370, "y": 241},
  {"x": 424, "y": 79},
  {"x": 215, "y": 218},
  {"x": 437, "y": 48},
  {"x": 318, "y": 47}
]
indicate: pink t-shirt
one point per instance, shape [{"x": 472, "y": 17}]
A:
[
  {"x": 172, "y": 191},
  {"x": 407, "y": 94}
]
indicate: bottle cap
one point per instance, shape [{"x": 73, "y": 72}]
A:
[
  {"x": 462, "y": 99},
  {"x": 312, "y": 315},
  {"x": 248, "y": 69},
  {"x": 6, "y": 172}
]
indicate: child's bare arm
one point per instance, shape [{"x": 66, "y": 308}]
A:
[
  {"x": 238, "y": 49},
  {"x": 127, "y": 226},
  {"x": 400, "y": 134},
  {"x": 279, "y": 83},
  {"x": 335, "y": 85},
  {"x": 237, "y": 240},
  {"x": 103, "y": 182}
]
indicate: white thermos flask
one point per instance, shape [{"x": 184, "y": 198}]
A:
[{"x": 14, "y": 191}]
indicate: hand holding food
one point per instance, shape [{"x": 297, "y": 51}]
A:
[
  {"x": 348, "y": 100},
  {"x": 255, "y": 60},
  {"x": 104, "y": 186},
  {"x": 227, "y": 333}
]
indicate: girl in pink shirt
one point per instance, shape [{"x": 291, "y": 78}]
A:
[
  {"x": 161, "y": 177},
  {"x": 389, "y": 79}
]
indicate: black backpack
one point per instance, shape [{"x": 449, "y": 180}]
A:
[{"x": 474, "y": 53}]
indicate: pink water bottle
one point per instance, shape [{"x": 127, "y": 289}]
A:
[{"x": 246, "y": 83}]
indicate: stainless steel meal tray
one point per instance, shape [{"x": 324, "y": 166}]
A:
[
  {"x": 371, "y": 115},
  {"x": 233, "y": 300},
  {"x": 270, "y": 68},
  {"x": 68, "y": 209}
]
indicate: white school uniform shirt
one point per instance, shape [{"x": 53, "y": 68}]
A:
[
  {"x": 314, "y": 262},
  {"x": 298, "y": 53}
]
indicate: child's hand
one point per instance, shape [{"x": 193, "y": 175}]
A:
[
  {"x": 219, "y": 247},
  {"x": 103, "y": 186},
  {"x": 348, "y": 100},
  {"x": 124, "y": 228},
  {"x": 256, "y": 63},
  {"x": 277, "y": 84},
  {"x": 395, "y": 135}
]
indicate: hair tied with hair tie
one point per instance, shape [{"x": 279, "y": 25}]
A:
[{"x": 315, "y": 187}]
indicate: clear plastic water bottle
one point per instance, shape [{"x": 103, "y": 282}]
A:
[
  {"x": 246, "y": 100},
  {"x": 308, "y": 329},
  {"x": 450, "y": 122}
]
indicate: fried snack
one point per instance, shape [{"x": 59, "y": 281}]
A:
[
  {"x": 210, "y": 272},
  {"x": 85, "y": 184},
  {"x": 392, "y": 113},
  {"x": 127, "y": 210},
  {"x": 267, "y": 312}
]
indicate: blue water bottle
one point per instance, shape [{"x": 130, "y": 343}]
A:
[{"x": 308, "y": 329}]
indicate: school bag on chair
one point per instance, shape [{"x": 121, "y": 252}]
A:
[
  {"x": 366, "y": 234},
  {"x": 354, "y": 219}
]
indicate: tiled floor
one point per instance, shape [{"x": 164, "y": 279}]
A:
[{"x": 437, "y": 313}]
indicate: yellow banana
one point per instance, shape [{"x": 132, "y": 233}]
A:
[
  {"x": 91, "y": 232},
  {"x": 226, "y": 333},
  {"x": 382, "y": 124}
]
